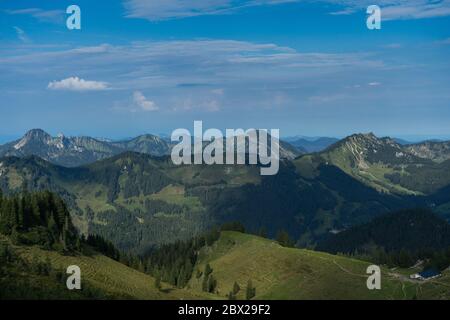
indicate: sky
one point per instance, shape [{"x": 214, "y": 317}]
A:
[{"x": 305, "y": 67}]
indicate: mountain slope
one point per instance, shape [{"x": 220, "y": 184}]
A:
[
  {"x": 382, "y": 164},
  {"x": 285, "y": 273}
]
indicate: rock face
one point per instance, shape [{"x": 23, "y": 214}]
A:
[
  {"x": 436, "y": 151},
  {"x": 76, "y": 151}
]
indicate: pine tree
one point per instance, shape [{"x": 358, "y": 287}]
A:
[
  {"x": 158, "y": 282},
  {"x": 251, "y": 291},
  {"x": 208, "y": 270},
  {"x": 212, "y": 284},
  {"x": 284, "y": 240},
  {"x": 205, "y": 283}
]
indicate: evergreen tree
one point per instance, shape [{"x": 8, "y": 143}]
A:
[
  {"x": 158, "y": 282},
  {"x": 205, "y": 283},
  {"x": 208, "y": 270},
  {"x": 250, "y": 291},
  {"x": 284, "y": 239},
  {"x": 212, "y": 284}
]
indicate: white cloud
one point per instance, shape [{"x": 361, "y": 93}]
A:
[
  {"x": 374, "y": 84},
  {"x": 55, "y": 16},
  {"x": 175, "y": 9},
  {"x": 77, "y": 84},
  {"x": 143, "y": 103},
  {"x": 226, "y": 74},
  {"x": 21, "y": 34},
  {"x": 344, "y": 12},
  {"x": 211, "y": 105},
  {"x": 397, "y": 9},
  {"x": 155, "y": 10}
]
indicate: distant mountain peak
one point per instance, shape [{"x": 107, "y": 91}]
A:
[
  {"x": 363, "y": 136},
  {"x": 37, "y": 134},
  {"x": 76, "y": 151},
  {"x": 370, "y": 140}
]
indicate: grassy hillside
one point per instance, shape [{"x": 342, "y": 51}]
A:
[
  {"x": 105, "y": 278},
  {"x": 287, "y": 273},
  {"x": 276, "y": 272}
]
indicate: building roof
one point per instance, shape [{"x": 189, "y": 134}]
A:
[{"x": 429, "y": 273}]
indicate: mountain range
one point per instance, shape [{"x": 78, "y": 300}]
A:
[
  {"x": 152, "y": 201},
  {"x": 78, "y": 151},
  {"x": 355, "y": 197}
]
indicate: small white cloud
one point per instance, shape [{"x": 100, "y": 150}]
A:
[
  {"x": 77, "y": 84},
  {"x": 344, "y": 12},
  {"x": 21, "y": 34},
  {"x": 374, "y": 84},
  {"x": 218, "y": 92},
  {"x": 326, "y": 98},
  {"x": 156, "y": 10},
  {"x": 55, "y": 16},
  {"x": 143, "y": 103},
  {"x": 211, "y": 106},
  {"x": 444, "y": 42},
  {"x": 393, "y": 46}
]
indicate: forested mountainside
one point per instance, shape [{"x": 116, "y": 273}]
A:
[
  {"x": 396, "y": 238},
  {"x": 155, "y": 202}
]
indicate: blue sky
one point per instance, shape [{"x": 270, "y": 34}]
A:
[{"x": 305, "y": 67}]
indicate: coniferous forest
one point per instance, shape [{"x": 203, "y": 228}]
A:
[{"x": 40, "y": 218}]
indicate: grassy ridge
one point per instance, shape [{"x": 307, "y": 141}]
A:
[{"x": 287, "y": 273}]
